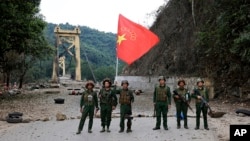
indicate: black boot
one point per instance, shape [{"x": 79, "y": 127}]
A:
[
  {"x": 121, "y": 130},
  {"x": 103, "y": 130},
  {"x": 156, "y": 128},
  {"x": 129, "y": 124},
  {"x": 108, "y": 129},
  {"x": 178, "y": 123},
  {"x": 197, "y": 123},
  {"x": 166, "y": 128},
  {"x": 78, "y": 132},
  {"x": 185, "y": 123},
  {"x": 129, "y": 130}
]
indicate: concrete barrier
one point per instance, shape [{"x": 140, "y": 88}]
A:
[{"x": 148, "y": 83}]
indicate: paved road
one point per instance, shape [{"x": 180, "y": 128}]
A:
[{"x": 142, "y": 131}]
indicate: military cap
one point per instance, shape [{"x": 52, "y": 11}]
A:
[
  {"x": 90, "y": 83},
  {"x": 181, "y": 80},
  {"x": 124, "y": 82},
  {"x": 106, "y": 80},
  {"x": 200, "y": 80},
  {"x": 162, "y": 78}
]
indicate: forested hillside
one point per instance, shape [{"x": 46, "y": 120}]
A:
[
  {"x": 204, "y": 38},
  {"x": 98, "y": 46},
  {"x": 27, "y": 46}
]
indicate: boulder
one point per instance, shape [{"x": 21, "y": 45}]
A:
[
  {"x": 45, "y": 119},
  {"x": 26, "y": 120},
  {"x": 214, "y": 114},
  {"x": 60, "y": 116},
  {"x": 72, "y": 118},
  {"x": 3, "y": 116}
]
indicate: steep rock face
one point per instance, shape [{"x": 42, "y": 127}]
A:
[
  {"x": 196, "y": 40},
  {"x": 175, "y": 53}
]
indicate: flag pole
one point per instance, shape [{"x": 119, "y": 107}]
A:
[{"x": 116, "y": 68}]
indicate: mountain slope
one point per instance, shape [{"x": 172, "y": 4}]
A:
[
  {"x": 175, "y": 51},
  {"x": 98, "y": 46},
  {"x": 208, "y": 38}
]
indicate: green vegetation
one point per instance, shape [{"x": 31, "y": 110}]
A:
[
  {"x": 223, "y": 43},
  {"x": 98, "y": 47},
  {"x": 27, "y": 46},
  {"x": 21, "y": 41}
]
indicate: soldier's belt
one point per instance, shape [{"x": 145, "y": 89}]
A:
[
  {"x": 125, "y": 103},
  {"x": 161, "y": 101},
  {"x": 86, "y": 105},
  {"x": 106, "y": 103},
  {"x": 180, "y": 101}
]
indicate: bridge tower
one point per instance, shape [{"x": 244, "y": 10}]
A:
[{"x": 70, "y": 38}]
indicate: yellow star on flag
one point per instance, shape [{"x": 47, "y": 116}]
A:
[{"x": 121, "y": 38}]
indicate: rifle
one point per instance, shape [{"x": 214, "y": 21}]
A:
[
  {"x": 183, "y": 100},
  {"x": 203, "y": 101}
]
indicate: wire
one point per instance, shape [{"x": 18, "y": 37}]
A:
[{"x": 85, "y": 54}]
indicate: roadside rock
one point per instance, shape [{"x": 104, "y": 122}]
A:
[
  {"x": 60, "y": 117},
  {"x": 72, "y": 118},
  {"x": 45, "y": 119},
  {"x": 3, "y": 116},
  {"x": 26, "y": 120},
  {"x": 241, "y": 115}
]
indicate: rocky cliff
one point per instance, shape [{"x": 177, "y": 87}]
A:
[
  {"x": 204, "y": 38},
  {"x": 176, "y": 25}
]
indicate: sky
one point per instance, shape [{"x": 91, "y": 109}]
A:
[{"x": 99, "y": 14}]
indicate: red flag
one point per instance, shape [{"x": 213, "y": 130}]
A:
[{"x": 133, "y": 40}]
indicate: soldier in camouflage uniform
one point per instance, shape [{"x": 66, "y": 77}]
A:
[
  {"x": 162, "y": 102},
  {"x": 201, "y": 93},
  {"x": 88, "y": 103},
  {"x": 126, "y": 99},
  {"x": 181, "y": 106},
  {"x": 108, "y": 102}
]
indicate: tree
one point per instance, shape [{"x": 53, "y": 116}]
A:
[{"x": 23, "y": 27}]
